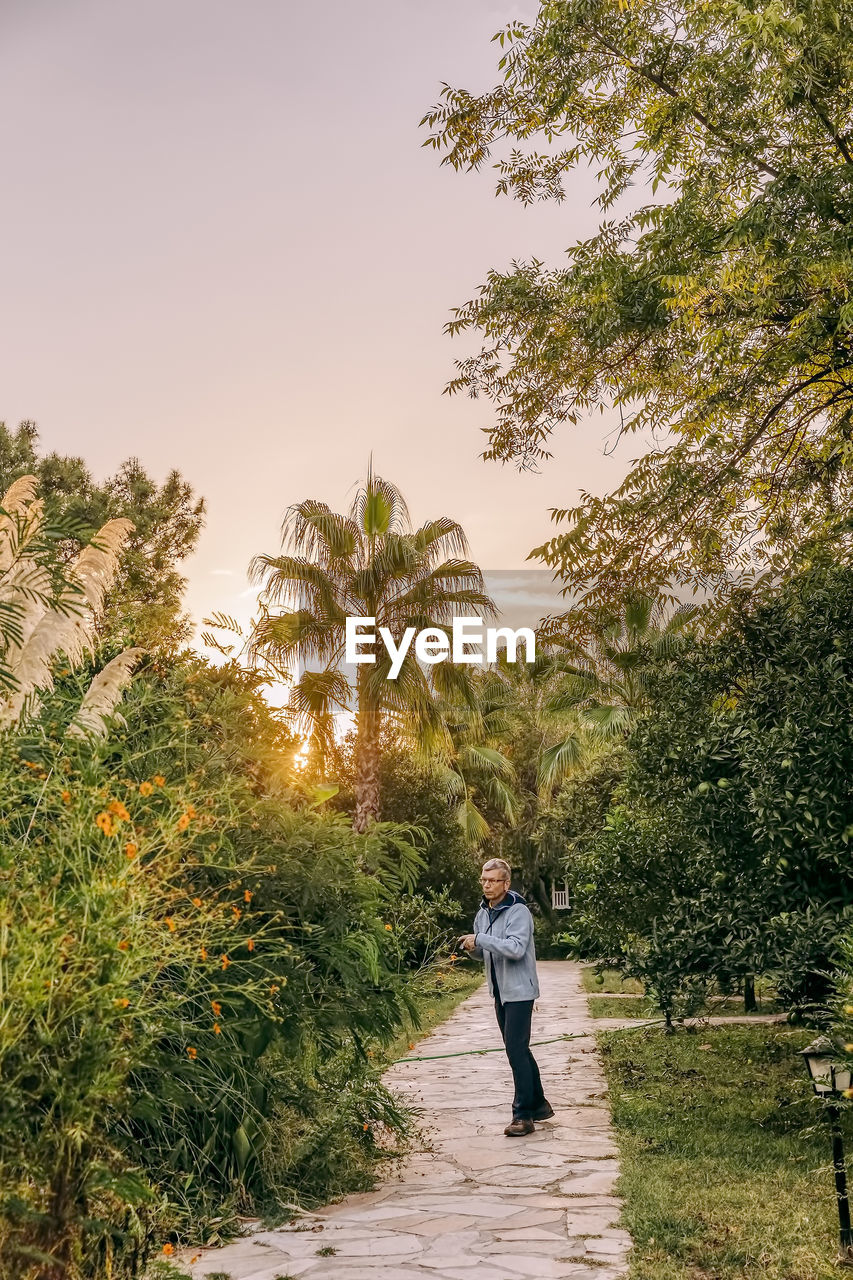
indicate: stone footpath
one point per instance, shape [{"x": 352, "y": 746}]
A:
[{"x": 471, "y": 1204}]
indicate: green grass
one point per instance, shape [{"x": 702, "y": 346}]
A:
[
  {"x": 641, "y": 1007},
  {"x": 608, "y": 982},
  {"x": 725, "y": 1156}
]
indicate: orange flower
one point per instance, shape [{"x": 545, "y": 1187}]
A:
[
  {"x": 130, "y": 849},
  {"x": 454, "y": 957},
  {"x": 168, "y": 1249},
  {"x": 247, "y": 895},
  {"x": 225, "y": 961},
  {"x": 388, "y": 928},
  {"x": 217, "y": 1030},
  {"x": 204, "y": 953},
  {"x": 170, "y": 922},
  {"x": 216, "y": 1007},
  {"x": 145, "y": 788},
  {"x": 365, "y": 1126},
  {"x": 120, "y": 811},
  {"x": 105, "y": 822},
  {"x": 159, "y": 780},
  {"x": 192, "y": 1053},
  {"x": 123, "y": 945},
  {"x": 183, "y": 822},
  {"x": 196, "y": 902},
  {"x": 274, "y": 988},
  {"x": 66, "y": 797},
  {"x": 250, "y": 945},
  {"x": 123, "y": 1003},
  {"x": 411, "y": 1046},
  {"x": 192, "y": 812},
  {"x": 236, "y": 912}
]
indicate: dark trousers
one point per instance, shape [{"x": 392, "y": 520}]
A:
[{"x": 514, "y": 1019}]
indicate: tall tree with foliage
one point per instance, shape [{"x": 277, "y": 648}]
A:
[
  {"x": 727, "y": 853},
  {"x": 368, "y": 563},
  {"x": 144, "y": 608},
  {"x": 716, "y": 316}
]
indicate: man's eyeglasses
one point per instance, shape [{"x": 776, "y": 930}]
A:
[{"x": 493, "y": 880}]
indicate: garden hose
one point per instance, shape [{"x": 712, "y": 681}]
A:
[{"x": 535, "y": 1044}]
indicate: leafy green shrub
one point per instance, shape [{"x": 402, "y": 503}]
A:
[
  {"x": 413, "y": 795},
  {"x": 113, "y": 970},
  {"x": 807, "y": 950},
  {"x": 726, "y": 855},
  {"x": 420, "y": 934},
  {"x": 183, "y": 955}
]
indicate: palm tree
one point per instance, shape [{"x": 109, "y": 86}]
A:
[
  {"x": 608, "y": 683},
  {"x": 546, "y": 744},
  {"x": 368, "y": 563},
  {"x": 475, "y": 774}
]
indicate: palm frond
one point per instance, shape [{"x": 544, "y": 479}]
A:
[
  {"x": 379, "y": 507},
  {"x": 557, "y": 762},
  {"x": 610, "y": 721},
  {"x": 321, "y": 534},
  {"x": 503, "y": 800},
  {"x": 638, "y": 615},
  {"x": 474, "y": 826},
  {"x": 441, "y": 537},
  {"x": 282, "y": 638},
  {"x": 312, "y": 704},
  {"x": 485, "y": 760}
]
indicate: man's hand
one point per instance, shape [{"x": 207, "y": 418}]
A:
[{"x": 468, "y": 942}]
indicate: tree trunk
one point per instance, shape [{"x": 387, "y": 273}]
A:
[
  {"x": 543, "y": 897},
  {"x": 750, "y": 1004},
  {"x": 366, "y": 764}
]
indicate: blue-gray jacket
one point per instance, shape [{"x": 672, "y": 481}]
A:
[{"x": 503, "y": 936}]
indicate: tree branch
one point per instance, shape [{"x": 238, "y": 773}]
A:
[{"x": 658, "y": 80}]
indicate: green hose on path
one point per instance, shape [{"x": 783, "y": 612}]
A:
[{"x": 535, "y": 1044}]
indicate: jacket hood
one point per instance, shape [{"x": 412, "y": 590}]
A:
[{"x": 509, "y": 901}]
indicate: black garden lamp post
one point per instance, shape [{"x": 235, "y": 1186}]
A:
[{"x": 830, "y": 1080}]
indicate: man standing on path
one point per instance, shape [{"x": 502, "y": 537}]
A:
[{"x": 503, "y": 935}]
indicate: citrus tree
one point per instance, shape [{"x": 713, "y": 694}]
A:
[{"x": 726, "y": 852}]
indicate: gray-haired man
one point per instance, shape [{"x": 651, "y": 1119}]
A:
[{"x": 503, "y": 936}]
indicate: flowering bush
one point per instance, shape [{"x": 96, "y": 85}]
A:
[{"x": 179, "y": 946}]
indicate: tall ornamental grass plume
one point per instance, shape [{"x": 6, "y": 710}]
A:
[
  {"x": 48, "y": 608},
  {"x": 192, "y": 971}
]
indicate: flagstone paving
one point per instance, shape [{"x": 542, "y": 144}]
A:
[{"x": 471, "y": 1204}]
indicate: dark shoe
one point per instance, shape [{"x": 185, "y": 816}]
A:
[
  {"x": 545, "y": 1112},
  {"x": 519, "y": 1128}
]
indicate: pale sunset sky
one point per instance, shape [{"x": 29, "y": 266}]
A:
[{"x": 227, "y": 252}]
